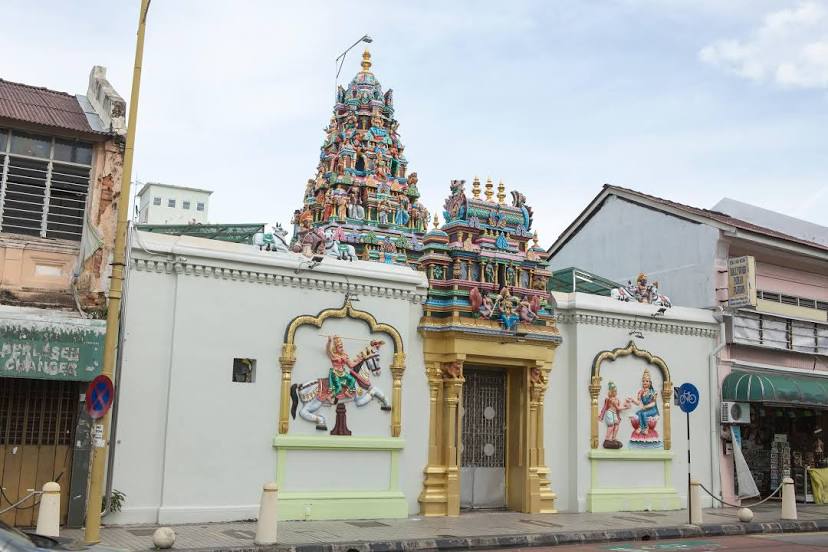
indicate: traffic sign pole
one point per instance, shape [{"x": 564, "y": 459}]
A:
[
  {"x": 689, "y": 497},
  {"x": 687, "y": 398}
]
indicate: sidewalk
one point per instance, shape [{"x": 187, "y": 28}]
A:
[{"x": 470, "y": 530}]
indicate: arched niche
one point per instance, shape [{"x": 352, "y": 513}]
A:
[
  {"x": 287, "y": 360},
  {"x": 649, "y": 358}
]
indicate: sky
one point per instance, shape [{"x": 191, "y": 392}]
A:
[{"x": 690, "y": 100}]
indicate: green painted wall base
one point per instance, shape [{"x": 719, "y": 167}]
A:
[
  {"x": 342, "y": 505},
  {"x": 348, "y": 504},
  {"x": 634, "y": 498}
]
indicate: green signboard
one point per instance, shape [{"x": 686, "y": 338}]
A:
[{"x": 55, "y": 350}]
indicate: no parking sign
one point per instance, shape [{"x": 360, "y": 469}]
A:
[{"x": 99, "y": 397}]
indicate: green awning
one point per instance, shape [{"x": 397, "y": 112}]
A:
[{"x": 788, "y": 388}]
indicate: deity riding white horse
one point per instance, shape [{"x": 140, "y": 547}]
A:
[
  {"x": 334, "y": 246},
  {"x": 320, "y": 392}
]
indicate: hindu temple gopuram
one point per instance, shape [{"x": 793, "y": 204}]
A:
[
  {"x": 362, "y": 203},
  {"x": 488, "y": 331}
]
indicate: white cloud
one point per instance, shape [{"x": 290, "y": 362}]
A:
[{"x": 790, "y": 49}]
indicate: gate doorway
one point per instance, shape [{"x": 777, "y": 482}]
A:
[
  {"x": 37, "y": 423},
  {"x": 483, "y": 439}
]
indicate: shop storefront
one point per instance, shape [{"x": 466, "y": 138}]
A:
[{"x": 785, "y": 436}]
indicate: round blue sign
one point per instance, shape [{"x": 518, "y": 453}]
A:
[{"x": 687, "y": 397}]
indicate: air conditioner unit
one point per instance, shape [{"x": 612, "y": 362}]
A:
[{"x": 735, "y": 412}]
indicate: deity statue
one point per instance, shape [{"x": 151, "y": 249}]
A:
[
  {"x": 342, "y": 380},
  {"x": 526, "y": 311},
  {"x": 488, "y": 273},
  {"x": 611, "y": 416},
  {"x": 341, "y": 207},
  {"x": 645, "y": 417},
  {"x": 402, "y": 215},
  {"x": 328, "y": 211},
  {"x": 510, "y": 276},
  {"x": 642, "y": 289},
  {"x": 305, "y": 219},
  {"x": 382, "y": 212}
]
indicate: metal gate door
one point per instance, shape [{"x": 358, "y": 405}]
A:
[
  {"x": 483, "y": 458},
  {"x": 37, "y": 421}
]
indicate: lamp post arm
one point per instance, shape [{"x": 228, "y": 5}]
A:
[{"x": 341, "y": 57}]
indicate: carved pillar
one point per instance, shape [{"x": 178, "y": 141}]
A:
[
  {"x": 397, "y": 369},
  {"x": 452, "y": 392},
  {"x": 286, "y": 362},
  {"x": 667, "y": 395},
  {"x": 594, "y": 389},
  {"x": 541, "y": 497},
  {"x": 433, "y": 499}
]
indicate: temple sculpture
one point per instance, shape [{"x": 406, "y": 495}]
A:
[
  {"x": 362, "y": 194},
  {"x": 485, "y": 267}
]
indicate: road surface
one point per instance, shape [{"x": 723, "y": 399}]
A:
[{"x": 801, "y": 542}]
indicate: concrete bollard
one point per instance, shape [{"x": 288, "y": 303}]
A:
[
  {"x": 695, "y": 502},
  {"x": 788, "y": 499},
  {"x": 266, "y": 524},
  {"x": 48, "y": 514}
]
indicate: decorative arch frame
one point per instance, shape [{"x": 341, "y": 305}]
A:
[
  {"x": 595, "y": 386},
  {"x": 287, "y": 360}
]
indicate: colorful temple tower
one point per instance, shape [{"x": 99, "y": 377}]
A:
[
  {"x": 362, "y": 201},
  {"x": 489, "y": 340}
]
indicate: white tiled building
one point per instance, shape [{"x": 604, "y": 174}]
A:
[{"x": 165, "y": 204}]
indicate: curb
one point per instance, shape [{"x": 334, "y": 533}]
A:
[{"x": 543, "y": 539}]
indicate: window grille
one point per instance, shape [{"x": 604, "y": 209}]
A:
[
  {"x": 185, "y": 204},
  {"x": 199, "y": 206},
  {"x": 171, "y": 203},
  {"x": 792, "y": 300},
  {"x": 44, "y": 184},
  {"x": 156, "y": 201},
  {"x": 780, "y": 333}
]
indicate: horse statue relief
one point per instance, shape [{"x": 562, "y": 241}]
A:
[
  {"x": 335, "y": 246},
  {"x": 348, "y": 380}
]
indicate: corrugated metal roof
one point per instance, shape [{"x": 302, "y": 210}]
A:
[{"x": 41, "y": 106}]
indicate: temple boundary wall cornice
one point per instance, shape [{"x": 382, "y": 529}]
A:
[
  {"x": 242, "y": 263},
  {"x": 595, "y": 310}
]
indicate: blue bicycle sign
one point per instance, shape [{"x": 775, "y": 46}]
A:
[{"x": 687, "y": 397}]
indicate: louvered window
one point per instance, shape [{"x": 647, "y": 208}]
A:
[{"x": 43, "y": 185}]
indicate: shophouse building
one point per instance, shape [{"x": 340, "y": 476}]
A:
[
  {"x": 766, "y": 279},
  {"x": 60, "y": 174}
]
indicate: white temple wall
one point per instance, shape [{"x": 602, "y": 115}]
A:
[
  {"x": 193, "y": 445},
  {"x": 589, "y": 324}
]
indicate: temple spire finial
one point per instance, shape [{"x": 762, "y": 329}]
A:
[
  {"x": 501, "y": 193},
  {"x": 366, "y": 61},
  {"x": 489, "y": 192},
  {"x": 476, "y": 188},
  {"x": 436, "y": 221}
]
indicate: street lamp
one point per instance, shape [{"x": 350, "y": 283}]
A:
[{"x": 341, "y": 57}]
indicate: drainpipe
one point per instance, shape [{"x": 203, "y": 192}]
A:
[{"x": 715, "y": 398}]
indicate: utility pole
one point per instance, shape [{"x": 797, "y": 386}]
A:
[{"x": 92, "y": 533}]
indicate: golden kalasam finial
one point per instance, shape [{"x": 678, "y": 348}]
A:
[
  {"x": 366, "y": 60},
  {"x": 489, "y": 187},
  {"x": 501, "y": 193},
  {"x": 436, "y": 221},
  {"x": 535, "y": 238},
  {"x": 476, "y": 188}
]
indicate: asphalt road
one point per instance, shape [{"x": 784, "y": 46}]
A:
[{"x": 801, "y": 542}]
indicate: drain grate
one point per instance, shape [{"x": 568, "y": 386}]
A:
[
  {"x": 142, "y": 532},
  {"x": 631, "y": 518},
  {"x": 540, "y": 523},
  {"x": 239, "y": 534},
  {"x": 365, "y": 524}
]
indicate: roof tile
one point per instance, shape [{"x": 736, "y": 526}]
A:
[{"x": 41, "y": 106}]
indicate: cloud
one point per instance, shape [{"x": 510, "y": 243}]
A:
[{"x": 789, "y": 49}]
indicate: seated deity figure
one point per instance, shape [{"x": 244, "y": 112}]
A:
[{"x": 647, "y": 400}]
